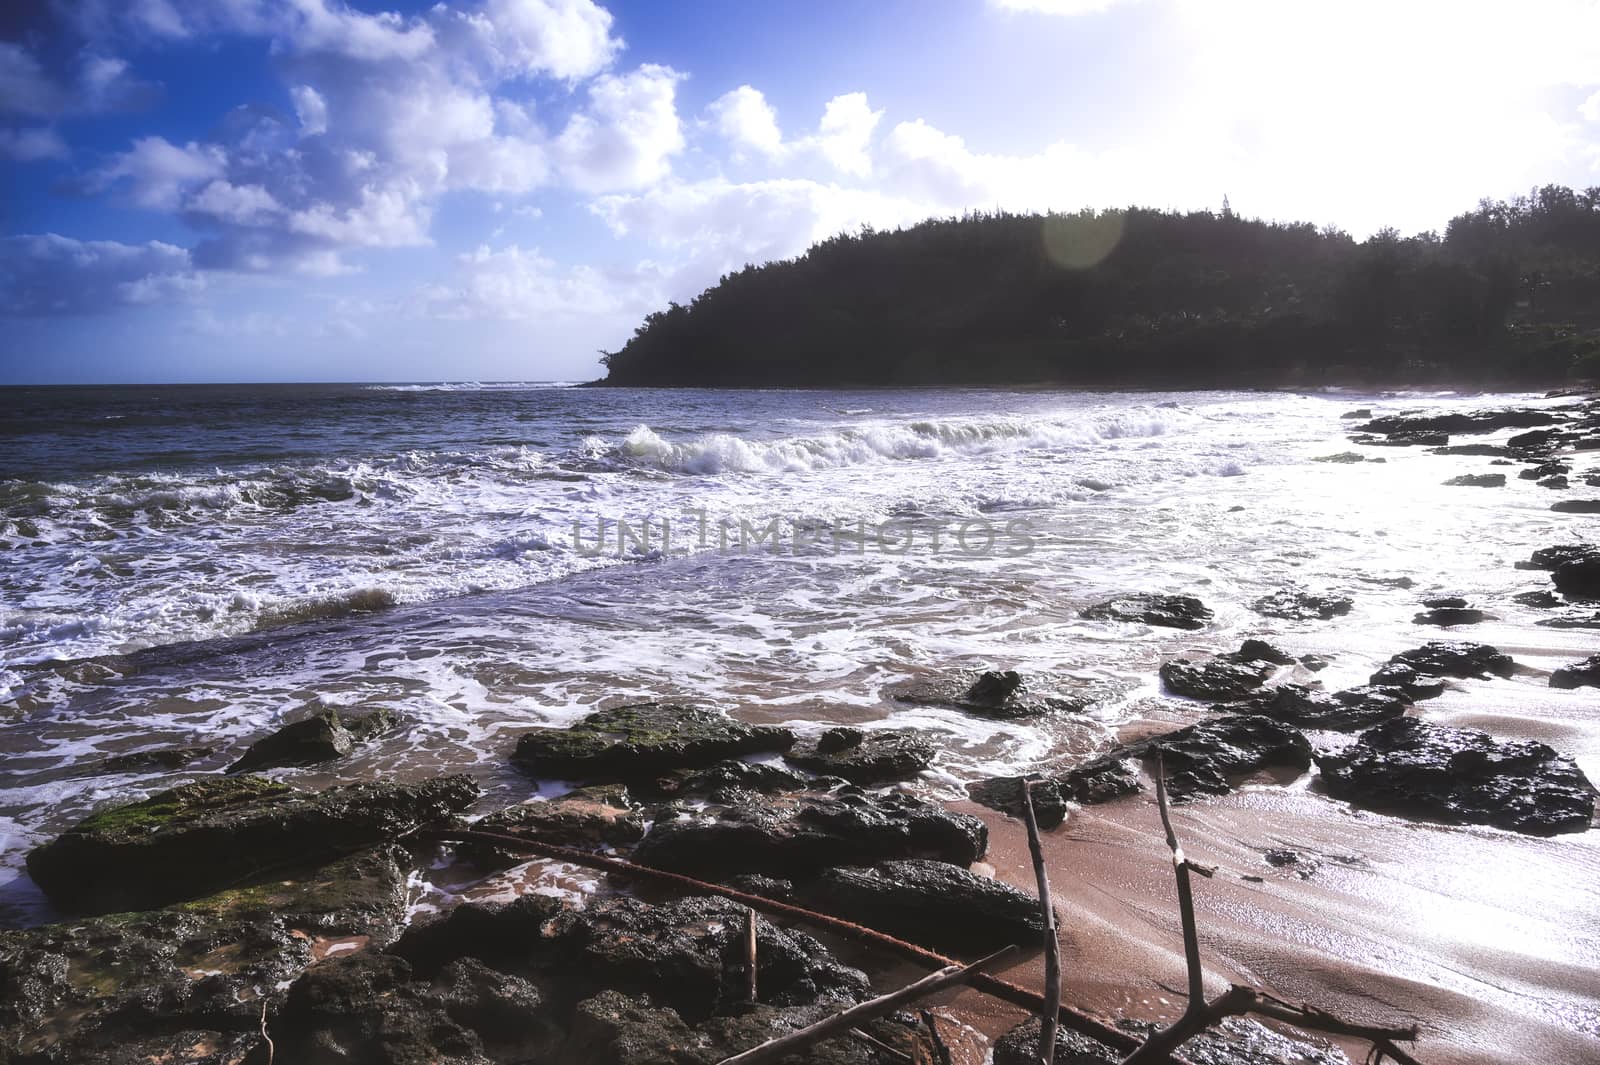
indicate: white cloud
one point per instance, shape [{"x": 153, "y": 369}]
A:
[
  {"x": 157, "y": 173},
  {"x": 245, "y": 205},
  {"x": 25, "y": 88},
  {"x": 628, "y": 134},
  {"x": 746, "y": 120},
  {"x": 50, "y": 275},
  {"x": 516, "y": 284},
  {"x": 312, "y": 26},
  {"x": 566, "y": 39},
  {"x": 385, "y": 216},
  {"x": 310, "y": 109},
  {"x": 846, "y": 133},
  {"x": 31, "y": 145},
  {"x": 1590, "y": 108}
]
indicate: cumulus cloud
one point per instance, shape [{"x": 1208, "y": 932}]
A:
[
  {"x": 628, "y": 133},
  {"x": 30, "y": 145},
  {"x": 25, "y": 88},
  {"x": 310, "y": 109},
  {"x": 1590, "y": 108},
  {"x": 52, "y": 275},
  {"x": 566, "y": 39},
  {"x": 746, "y": 120},
  {"x": 514, "y": 284},
  {"x": 156, "y": 174}
]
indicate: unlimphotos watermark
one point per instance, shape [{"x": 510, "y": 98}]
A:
[{"x": 696, "y": 530}]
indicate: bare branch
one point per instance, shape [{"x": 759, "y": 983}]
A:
[
  {"x": 839, "y": 1023},
  {"x": 750, "y": 951},
  {"x": 1052, "y": 942}
]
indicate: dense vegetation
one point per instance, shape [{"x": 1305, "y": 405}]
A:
[{"x": 1511, "y": 291}]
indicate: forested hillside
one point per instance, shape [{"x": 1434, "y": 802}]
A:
[{"x": 1510, "y": 291}]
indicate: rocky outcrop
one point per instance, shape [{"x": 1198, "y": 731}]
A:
[
  {"x": 809, "y": 832},
  {"x": 1576, "y": 506},
  {"x": 933, "y": 903},
  {"x": 1225, "y": 676},
  {"x": 865, "y": 757},
  {"x": 1461, "y": 776},
  {"x": 1454, "y": 659},
  {"x": 1482, "y": 421},
  {"x": 1202, "y": 759},
  {"x": 1002, "y": 694},
  {"x": 1478, "y": 480},
  {"x": 643, "y": 739},
  {"x": 324, "y": 736},
  {"x": 222, "y": 831},
  {"x": 1312, "y": 708},
  {"x": 151, "y": 986},
  {"x": 1169, "y": 611},
  {"x": 1579, "y": 578},
  {"x": 1296, "y": 605},
  {"x": 601, "y": 814},
  {"x": 1578, "y": 675}
]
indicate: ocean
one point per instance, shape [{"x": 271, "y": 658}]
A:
[{"x": 187, "y": 565}]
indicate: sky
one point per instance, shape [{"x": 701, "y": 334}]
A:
[{"x": 266, "y": 190}]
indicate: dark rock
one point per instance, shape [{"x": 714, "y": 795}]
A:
[
  {"x": 1302, "y": 606},
  {"x": 1240, "y": 1041},
  {"x": 1170, "y": 611},
  {"x": 1200, "y": 760},
  {"x": 643, "y": 739},
  {"x": 1343, "y": 711},
  {"x": 95, "y": 992},
  {"x": 865, "y": 757},
  {"x": 1486, "y": 421},
  {"x": 1225, "y": 676},
  {"x": 1449, "y": 615},
  {"x": 220, "y": 831},
  {"x": 1579, "y": 674},
  {"x": 1342, "y": 457},
  {"x": 1454, "y": 659},
  {"x": 602, "y": 813},
  {"x": 1477, "y": 450},
  {"x": 494, "y": 932},
  {"x": 1536, "y": 440},
  {"x": 1020, "y": 1046},
  {"x": 1419, "y": 438},
  {"x": 1439, "y": 601},
  {"x": 1460, "y": 776},
  {"x": 728, "y": 777},
  {"x": 633, "y": 1030},
  {"x": 1541, "y": 599},
  {"x": 1359, "y": 412},
  {"x": 806, "y": 833},
  {"x": 167, "y": 758},
  {"x": 1281, "y": 858},
  {"x": 1551, "y": 558},
  {"x": 1579, "y": 577},
  {"x": 1572, "y": 621},
  {"x": 1315, "y": 663},
  {"x": 1002, "y": 694},
  {"x": 322, "y": 737},
  {"x": 933, "y": 903},
  {"x": 1576, "y": 506},
  {"x": 1390, "y": 582},
  {"x": 1556, "y": 481},
  {"x": 1415, "y": 686},
  {"x": 1478, "y": 480}
]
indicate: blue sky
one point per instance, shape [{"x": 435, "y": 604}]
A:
[{"x": 494, "y": 189}]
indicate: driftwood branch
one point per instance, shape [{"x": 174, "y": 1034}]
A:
[
  {"x": 1200, "y": 1015},
  {"x": 750, "y": 951},
  {"x": 1052, "y": 941},
  {"x": 872, "y": 1009},
  {"x": 1015, "y": 994}
]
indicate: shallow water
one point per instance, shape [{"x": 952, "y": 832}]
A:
[{"x": 188, "y": 565}]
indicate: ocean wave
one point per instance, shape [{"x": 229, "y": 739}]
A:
[
  {"x": 720, "y": 453},
  {"x": 326, "y": 607},
  {"x": 471, "y": 386}
]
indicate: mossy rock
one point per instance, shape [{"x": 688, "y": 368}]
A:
[
  {"x": 641, "y": 739},
  {"x": 219, "y": 832},
  {"x": 324, "y": 736}
]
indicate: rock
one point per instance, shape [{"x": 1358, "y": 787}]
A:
[
  {"x": 806, "y": 833},
  {"x": 1460, "y": 776},
  {"x": 322, "y": 737},
  {"x": 1302, "y": 606},
  {"x": 1400, "y": 677},
  {"x": 1478, "y": 480},
  {"x": 590, "y": 816},
  {"x": 1579, "y": 674},
  {"x": 136, "y": 986},
  {"x": 1360, "y": 412},
  {"x": 1579, "y": 577},
  {"x": 1419, "y": 438},
  {"x": 643, "y": 739},
  {"x": 1541, "y": 599},
  {"x": 1572, "y": 621},
  {"x": 1440, "y": 601},
  {"x": 1004, "y": 694},
  {"x": 632, "y": 1030},
  {"x": 1241, "y": 1041},
  {"x": 1449, "y": 615},
  {"x": 1453, "y": 659},
  {"x": 1281, "y": 858},
  {"x": 1556, "y": 481},
  {"x": 1303, "y": 707},
  {"x": 728, "y": 777},
  {"x": 932, "y": 903},
  {"x": 1485, "y": 421},
  {"x": 865, "y": 757},
  {"x": 165, "y": 758},
  {"x": 1552, "y": 558},
  {"x": 1199, "y": 759},
  {"x": 1576, "y": 506},
  {"x": 1020, "y": 1046},
  {"x": 1477, "y": 450},
  {"x": 1315, "y": 663},
  {"x": 220, "y": 831},
  {"x": 1225, "y": 676},
  {"x": 1170, "y": 611},
  {"x": 1535, "y": 440},
  {"x": 1341, "y": 457}
]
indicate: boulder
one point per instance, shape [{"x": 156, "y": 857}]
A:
[
  {"x": 1477, "y": 450},
  {"x": 1453, "y": 659},
  {"x": 808, "y": 832},
  {"x": 1576, "y": 506},
  {"x": 322, "y": 737},
  {"x": 147, "y": 986},
  {"x": 1225, "y": 676},
  {"x": 221, "y": 831},
  {"x": 1556, "y": 481},
  {"x": 865, "y": 757},
  {"x": 621, "y": 1029},
  {"x": 1413, "y": 685},
  {"x": 1298, "y": 605},
  {"x": 1201, "y": 759},
  {"x": 1004, "y": 694},
  {"x": 1460, "y": 776},
  {"x": 1445, "y": 616},
  {"x": 1579, "y": 674},
  {"x": 1542, "y": 599},
  {"x": 1343, "y": 711},
  {"x": 1483, "y": 421},
  {"x": 1478, "y": 480},
  {"x": 727, "y": 778},
  {"x": 936, "y": 904},
  {"x": 1170, "y": 611},
  {"x": 641, "y": 740},
  {"x": 1552, "y": 557},
  {"x": 600, "y": 814},
  {"x": 1573, "y": 620},
  {"x": 152, "y": 761},
  {"x": 1579, "y": 577}
]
